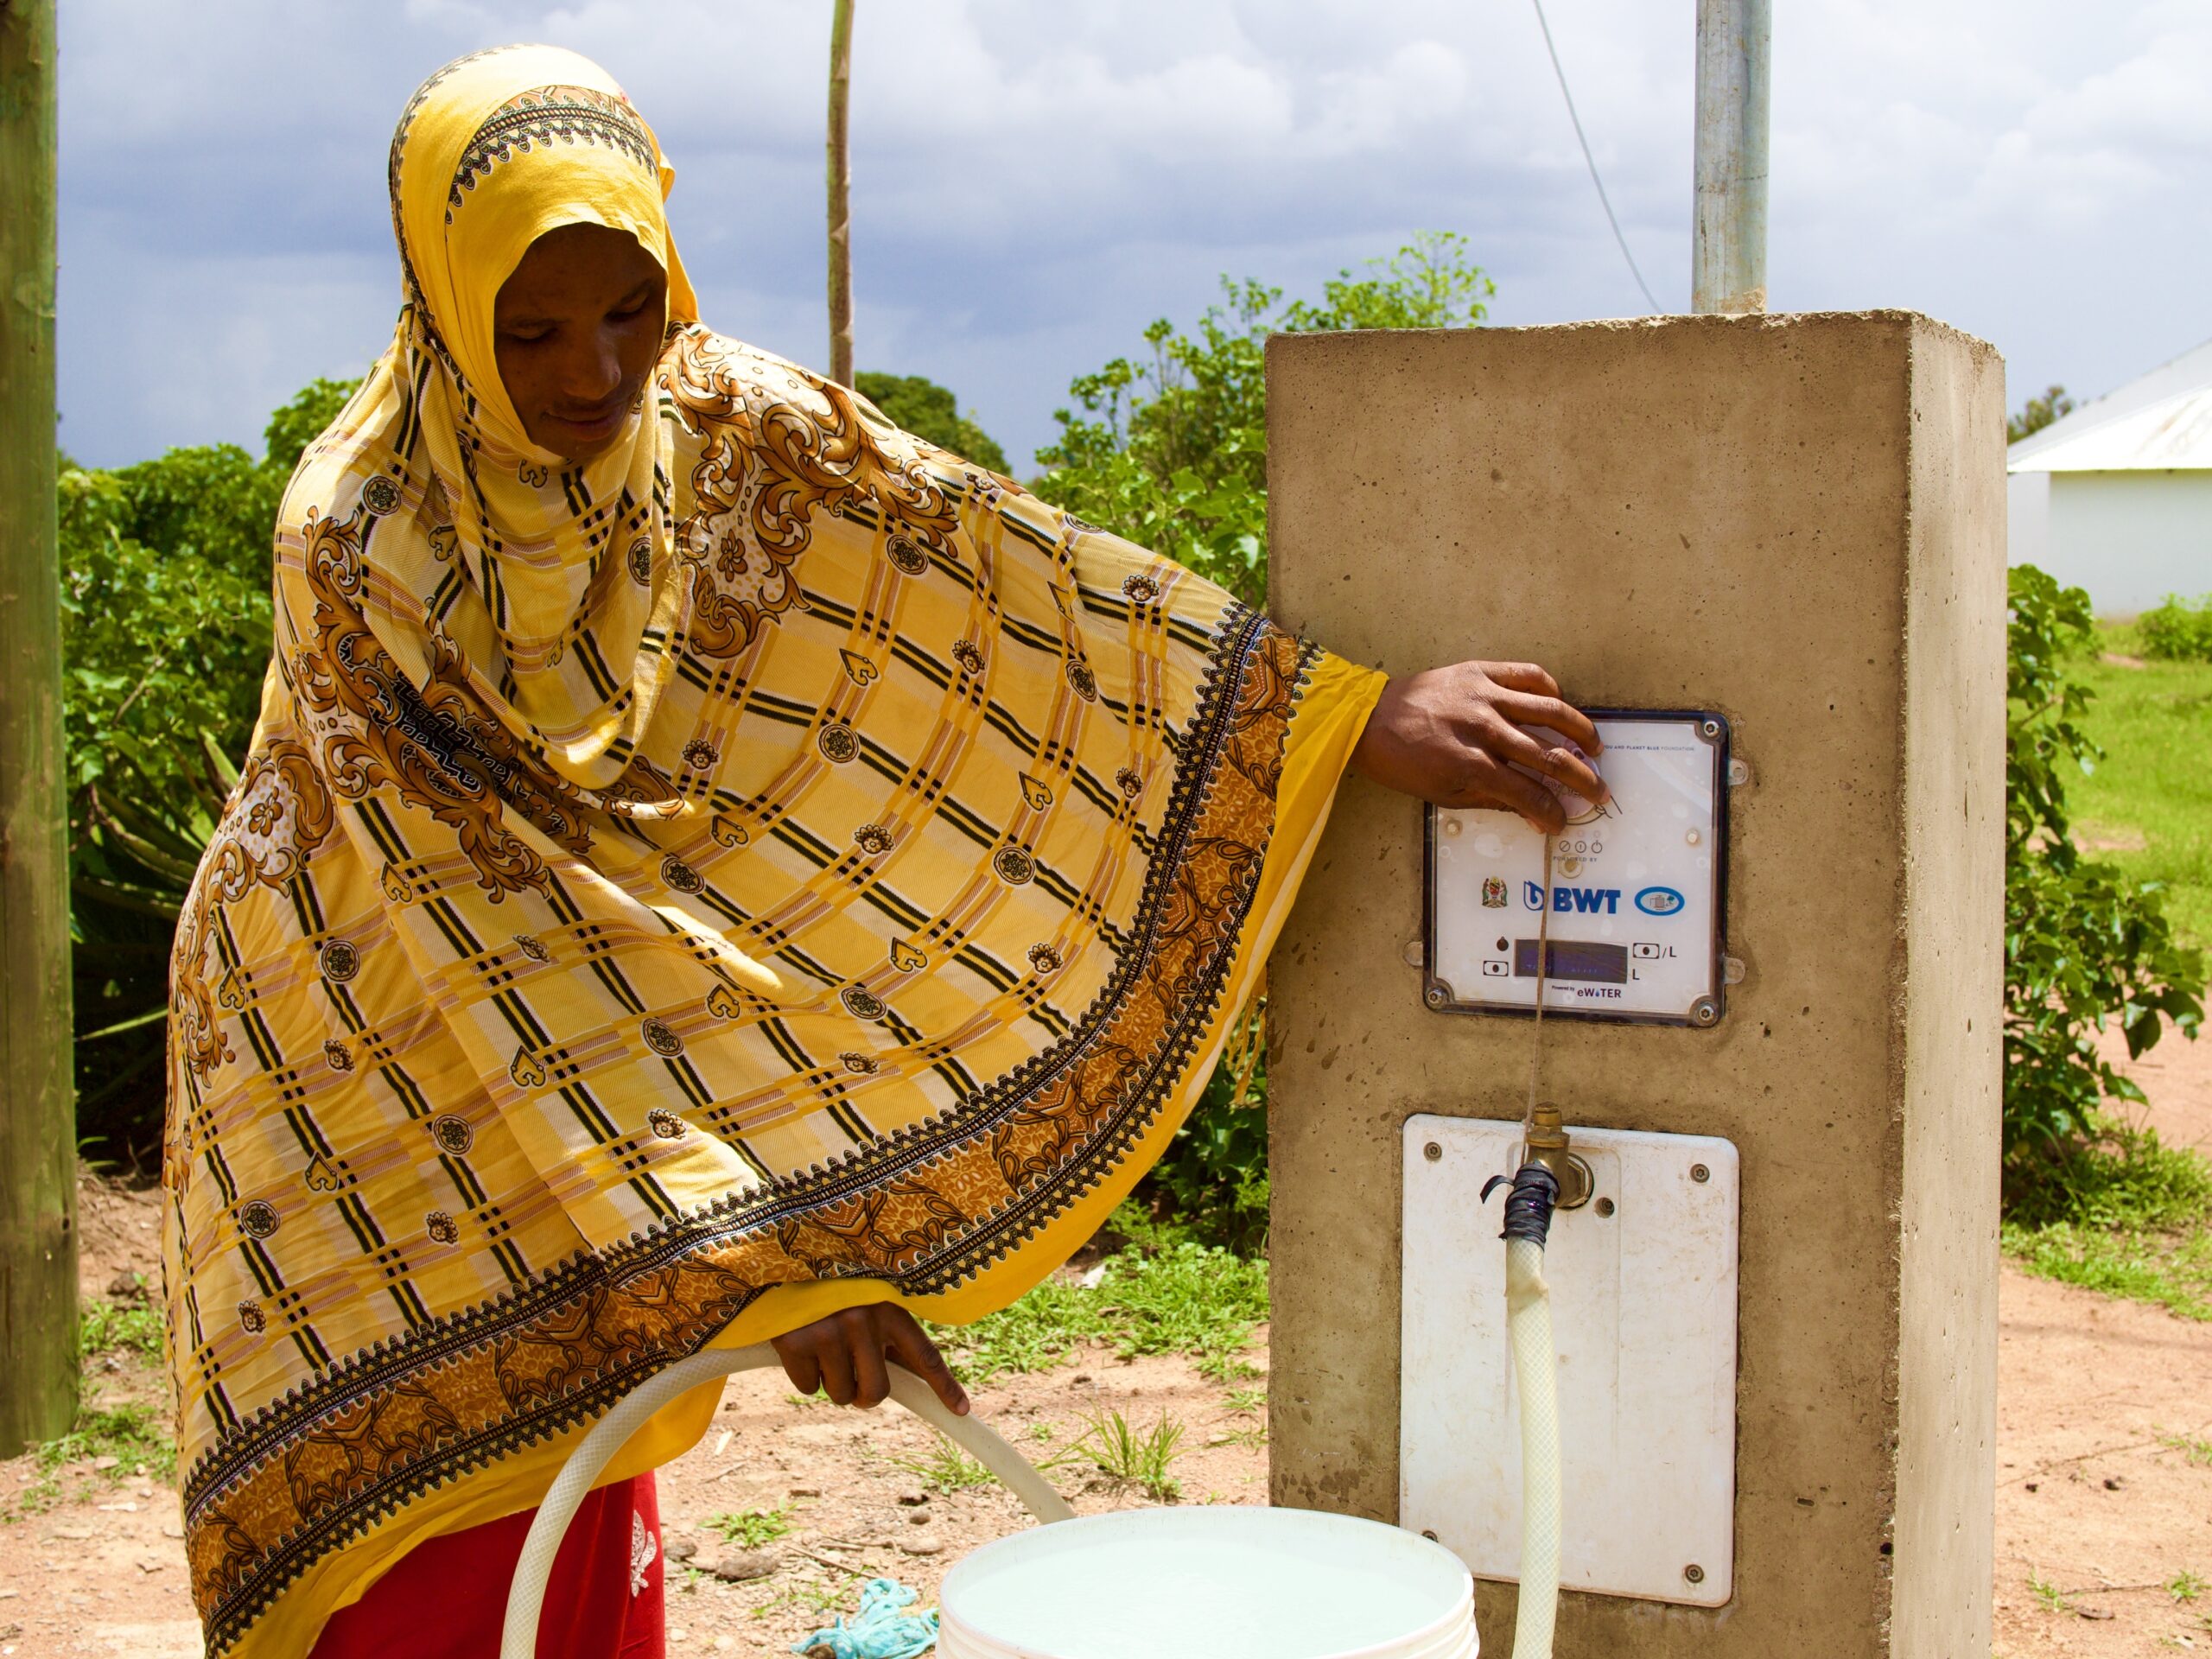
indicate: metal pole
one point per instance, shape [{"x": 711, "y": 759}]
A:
[
  {"x": 841, "y": 187},
  {"x": 38, "y": 1194},
  {"x": 1728, "y": 255}
]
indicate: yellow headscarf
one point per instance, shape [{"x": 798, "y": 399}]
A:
[
  {"x": 465, "y": 214},
  {"x": 493, "y": 152},
  {"x": 773, "y": 867}
]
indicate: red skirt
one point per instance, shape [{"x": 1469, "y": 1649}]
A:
[{"x": 447, "y": 1598}]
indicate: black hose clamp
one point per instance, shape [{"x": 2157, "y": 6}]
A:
[{"x": 1529, "y": 1206}]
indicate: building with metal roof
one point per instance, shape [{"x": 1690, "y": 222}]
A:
[{"x": 2116, "y": 497}]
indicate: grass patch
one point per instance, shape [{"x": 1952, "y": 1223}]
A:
[
  {"x": 1253, "y": 1435},
  {"x": 105, "y": 1327},
  {"x": 133, "y": 1435},
  {"x": 816, "y": 1598},
  {"x": 1189, "y": 1298},
  {"x": 128, "y": 1439},
  {"x": 1224, "y": 1367},
  {"x": 2143, "y": 1268},
  {"x": 2124, "y": 1215},
  {"x": 750, "y": 1528},
  {"x": 2126, "y": 1178},
  {"x": 2193, "y": 1450},
  {"x": 2154, "y": 723},
  {"x": 1139, "y": 1456},
  {"x": 946, "y": 1467}
]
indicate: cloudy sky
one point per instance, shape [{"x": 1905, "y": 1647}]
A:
[{"x": 1034, "y": 180}]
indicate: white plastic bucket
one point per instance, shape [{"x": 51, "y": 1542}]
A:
[{"x": 1227, "y": 1583}]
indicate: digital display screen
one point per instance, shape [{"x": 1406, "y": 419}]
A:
[{"x": 1605, "y": 965}]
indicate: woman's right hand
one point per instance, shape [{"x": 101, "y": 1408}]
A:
[
  {"x": 845, "y": 1356},
  {"x": 1455, "y": 737}
]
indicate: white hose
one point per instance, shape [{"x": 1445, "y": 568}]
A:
[
  {"x": 1535, "y": 1370},
  {"x": 519, "y": 1637}
]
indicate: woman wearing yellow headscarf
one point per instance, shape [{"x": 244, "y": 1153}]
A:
[{"x": 711, "y": 867}]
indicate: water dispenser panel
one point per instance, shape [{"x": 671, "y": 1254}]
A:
[
  {"x": 1634, "y": 929},
  {"x": 1643, "y": 1319}
]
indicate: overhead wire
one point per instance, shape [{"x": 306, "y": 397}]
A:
[
  {"x": 1603, "y": 200},
  {"x": 1543, "y": 972}
]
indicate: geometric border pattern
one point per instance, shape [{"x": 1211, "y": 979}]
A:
[{"x": 327, "y": 1462}]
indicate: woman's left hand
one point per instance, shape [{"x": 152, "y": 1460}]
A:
[
  {"x": 1456, "y": 737},
  {"x": 845, "y": 1356}
]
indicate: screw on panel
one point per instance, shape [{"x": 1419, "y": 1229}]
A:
[
  {"x": 1431, "y": 1152},
  {"x": 1694, "y": 1573},
  {"x": 1436, "y": 996},
  {"x": 1705, "y": 1011},
  {"x": 1700, "y": 1173},
  {"x": 1605, "y": 1206},
  {"x": 1709, "y": 727}
]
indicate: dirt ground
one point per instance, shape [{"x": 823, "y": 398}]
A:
[
  {"x": 2104, "y": 1494},
  {"x": 2178, "y": 1076}
]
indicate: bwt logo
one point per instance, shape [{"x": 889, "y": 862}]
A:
[{"x": 1587, "y": 902}]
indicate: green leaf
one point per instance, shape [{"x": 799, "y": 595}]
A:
[
  {"x": 154, "y": 858},
  {"x": 134, "y": 1023}
]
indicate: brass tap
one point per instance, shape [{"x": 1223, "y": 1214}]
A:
[{"x": 1547, "y": 1144}]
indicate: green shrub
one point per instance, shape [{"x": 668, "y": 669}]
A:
[
  {"x": 2178, "y": 631},
  {"x": 166, "y": 613},
  {"x": 2083, "y": 944},
  {"x": 1213, "y": 1180}
]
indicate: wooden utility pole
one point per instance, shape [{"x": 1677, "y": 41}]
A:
[
  {"x": 38, "y": 1192},
  {"x": 1728, "y": 252},
  {"x": 841, "y": 190}
]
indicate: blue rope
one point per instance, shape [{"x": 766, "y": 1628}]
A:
[{"x": 878, "y": 1630}]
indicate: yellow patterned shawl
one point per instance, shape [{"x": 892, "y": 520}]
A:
[{"x": 772, "y": 867}]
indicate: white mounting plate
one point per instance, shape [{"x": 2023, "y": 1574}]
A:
[
  {"x": 1643, "y": 1319},
  {"x": 1636, "y": 930}
]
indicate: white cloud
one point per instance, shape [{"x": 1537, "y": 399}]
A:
[{"x": 1034, "y": 181}]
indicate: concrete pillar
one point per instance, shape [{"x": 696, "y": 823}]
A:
[{"x": 1798, "y": 521}]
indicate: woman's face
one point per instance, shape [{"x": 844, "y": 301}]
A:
[{"x": 576, "y": 329}]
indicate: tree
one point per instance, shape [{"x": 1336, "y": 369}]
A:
[
  {"x": 929, "y": 411},
  {"x": 1169, "y": 448},
  {"x": 2039, "y": 413}
]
